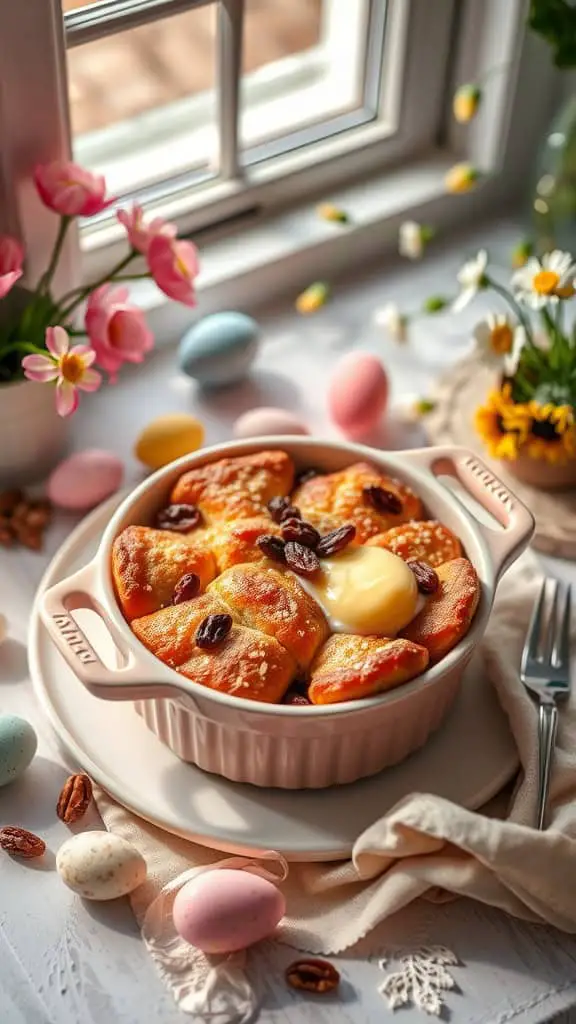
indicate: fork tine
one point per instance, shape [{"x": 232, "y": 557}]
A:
[
  {"x": 550, "y": 633},
  {"x": 561, "y": 650},
  {"x": 531, "y": 647}
]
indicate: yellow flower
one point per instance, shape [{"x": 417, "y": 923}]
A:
[
  {"x": 313, "y": 298},
  {"x": 461, "y": 178},
  {"x": 466, "y": 102},
  {"x": 327, "y": 211},
  {"x": 491, "y": 423},
  {"x": 553, "y": 433}
]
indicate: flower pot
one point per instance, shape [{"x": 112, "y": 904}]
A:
[
  {"x": 546, "y": 476},
  {"x": 32, "y": 435}
]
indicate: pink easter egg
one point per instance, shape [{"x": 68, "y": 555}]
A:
[
  {"x": 85, "y": 479},
  {"x": 224, "y": 910},
  {"x": 358, "y": 393},
  {"x": 264, "y": 421}
]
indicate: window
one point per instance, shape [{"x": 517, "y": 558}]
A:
[{"x": 224, "y": 112}]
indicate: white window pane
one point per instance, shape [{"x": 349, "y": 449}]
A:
[
  {"x": 136, "y": 96},
  {"x": 303, "y": 63}
]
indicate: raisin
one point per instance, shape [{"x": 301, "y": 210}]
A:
[
  {"x": 300, "y": 559},
  {"x": 336, "y": 540},
  {"x": 188, "y": 586},
  {"x": 213, "y": 630},
  {"x": 179, "y": 518},
  {"x": 303, "y": 532},
  {"x": 382, "y": 500},
  {"x": 306, "y": 475},
  {"x": 272, "y": 547},
  {"x": 276, "y": 507},
  {"x": 296, "y": 699},
  {"x": 425, "y": 576}
]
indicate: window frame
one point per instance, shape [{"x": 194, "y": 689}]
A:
[{"x": 36, "y": 128}]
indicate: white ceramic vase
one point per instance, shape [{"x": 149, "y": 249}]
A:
[{"x": 32, "y": 435}]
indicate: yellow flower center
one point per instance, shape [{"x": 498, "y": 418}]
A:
[
  {"x": 72, "y": 367},
  {"x": 181, "y": 266},
  {"x": 545, "y": 282},
  {"x": 501, "y": 339}
]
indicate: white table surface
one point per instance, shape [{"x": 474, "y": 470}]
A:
[{"x": 65, "y": 961}]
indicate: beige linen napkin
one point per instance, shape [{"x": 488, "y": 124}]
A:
[{"x": 424, "y": 844}]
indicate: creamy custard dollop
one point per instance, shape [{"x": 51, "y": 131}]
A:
[{"x": 365, "y": 590}]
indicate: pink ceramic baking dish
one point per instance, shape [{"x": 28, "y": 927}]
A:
[{"x": 277, "y": 745}]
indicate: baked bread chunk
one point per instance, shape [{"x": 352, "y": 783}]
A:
[
  {"x": 235, "y": 543},
  {"x": 246, "y": 664},
  {"x": 447, "y": 614},
  {"x": 236, "y": 488},
  {"x": 273, "y": 602},
  {"x": 425, "y": 541},
  {"x": 342, "y": 496},
  {"x": 147, "y": 564},
  {"x": 349, "y": 666},
  {"x": 169, "y": 633}
]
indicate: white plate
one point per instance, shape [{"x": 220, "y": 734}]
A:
[{"x": 468, "y": 760}]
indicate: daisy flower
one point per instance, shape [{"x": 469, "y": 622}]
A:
[
  {"x": 541, "y": 282},
  {"x": 494, "y": 338},
  {"x": 393, "y": 321},
  {"x": 413, "y": 238},
  {"x": 471, "y": 278},
  {"x": 68, "y": 367}
]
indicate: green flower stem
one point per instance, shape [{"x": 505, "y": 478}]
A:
[
  {"x": 22, "y": 346},
  {"x": 46, "y": 279},
  {"x": 130, "y": 277},
  {"x": 79, "y": 294}
]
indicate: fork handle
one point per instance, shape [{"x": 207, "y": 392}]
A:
[{"x": 547, "y": 726}]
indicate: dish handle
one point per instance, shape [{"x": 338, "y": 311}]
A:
[
  {"x": 125, "y": 681},
  {"x": 516, "y": 521}
]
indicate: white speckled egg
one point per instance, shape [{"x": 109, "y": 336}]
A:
[
  {"x": 219, "y": 349},
  {"x": 85, "y": 479},
  {"x": 264, "y": 421},
  {"x": 358, "y": 393},
  {"x": 17, "y": 747},
  {"x": 224, "y": 910},
  {"x": 100, "y": 865}
]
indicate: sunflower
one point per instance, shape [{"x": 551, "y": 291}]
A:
[
  {"x": 500, "y": 424},
  {"x": 552, "y": 433}
]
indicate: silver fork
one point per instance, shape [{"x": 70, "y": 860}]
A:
[{"x": 546, "y": 673}]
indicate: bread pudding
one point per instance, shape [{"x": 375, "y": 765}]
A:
[{"x": 308, "y": 590}]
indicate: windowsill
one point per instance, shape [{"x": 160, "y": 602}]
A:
[{"x": 285, "y": 253}]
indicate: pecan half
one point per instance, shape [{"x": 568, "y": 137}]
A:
[
  {"x": 300, "y": 559},
  {"x": 188, "y": 586},
  {"x": 336, "y": 540},
  {"x": 382, "y": 500},
  {"x": 179, "y": 518},
  {"x": 21, "y": 843},
  {"x": 313, "y": 975},
  {"x": 303, "y": 532},
  {"x": 213, "y": 630},
  {"x": 425, "y": 576},
  {"x": 74, "y": 798},
  {"x": 272, "y": 547}
]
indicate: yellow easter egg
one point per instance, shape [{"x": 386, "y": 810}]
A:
[{"x": 168, "y": 438}]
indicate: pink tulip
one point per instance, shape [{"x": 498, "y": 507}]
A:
[
  {"x": 11, "y": 260},
  {"x": 141, "y": 234},
  {"x": 174, "y": 266},
  {"x": 117, "y": 330},
  {"x": 68, "y": 367},
  {"x": 70, "y": 190}
]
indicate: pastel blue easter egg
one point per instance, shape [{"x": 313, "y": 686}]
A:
[
  {"x": 219, "y": 349},
  {"x": 17, "y": 747}
]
